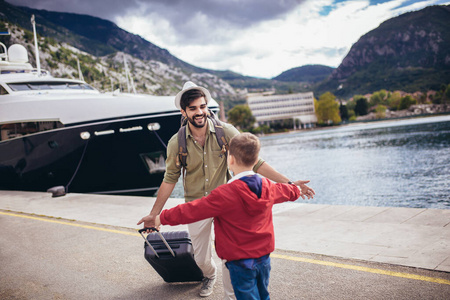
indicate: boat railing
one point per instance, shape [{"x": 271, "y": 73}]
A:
[
  {"x": 40, "y": 72},
  {"x": 4, "y": 54}
]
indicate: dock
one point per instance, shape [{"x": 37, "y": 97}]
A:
[{"x": 403, "y": 237}]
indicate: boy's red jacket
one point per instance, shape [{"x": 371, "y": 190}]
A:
[{"x": 242, "y": 212}]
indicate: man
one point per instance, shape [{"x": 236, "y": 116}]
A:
[{"x": 206, "y": 169}]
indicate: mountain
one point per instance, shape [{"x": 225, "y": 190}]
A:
[
  {"x": 90, "y": 34},
  {"x": 410, "y": 52},
  {"x": 101, "y": 47},
  {"x": 308, "y": 74}
]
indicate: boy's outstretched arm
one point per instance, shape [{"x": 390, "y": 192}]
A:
[
  {"x": 269, "y": 172},
  {"x": 157, "y": 222}
]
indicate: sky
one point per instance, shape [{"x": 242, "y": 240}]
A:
[{"x": 259, "y": 38}]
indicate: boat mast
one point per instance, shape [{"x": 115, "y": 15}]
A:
[
  {"x": 132, "y": 84},
  {"x": 126, "y": 73},
  {"x": 80, "y": 75},
  {"x": 36, "y": 49},
  {"x": 128, "y": 76}
]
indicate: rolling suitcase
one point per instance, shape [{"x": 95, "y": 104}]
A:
[{"x": 171, "y": 255}]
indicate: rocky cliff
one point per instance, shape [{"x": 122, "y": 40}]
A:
[{"x": 410, "y": 52}]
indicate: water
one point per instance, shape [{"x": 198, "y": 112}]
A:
[
  {"x": 402, "y": 163},
  {"x": 397, "y": 163}
]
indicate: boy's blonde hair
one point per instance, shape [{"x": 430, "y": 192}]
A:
[{"x": 245, "y": 149}]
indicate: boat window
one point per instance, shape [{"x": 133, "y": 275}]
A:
[
  {"x": 19, "y": 87},
  {"x": 3, "y": 91},
  {"x": 13, "y": 130},
  {"x": 75, "y": 86},
  {"x": 30, "y": 86}
]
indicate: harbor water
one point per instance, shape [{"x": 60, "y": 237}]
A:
[{"x": 399, "y": 163}]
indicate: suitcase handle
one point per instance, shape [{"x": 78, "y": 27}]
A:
[{"x": 160, "y": 235}]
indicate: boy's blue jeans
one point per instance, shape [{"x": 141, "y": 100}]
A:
[{"x": 250, "y": 277}]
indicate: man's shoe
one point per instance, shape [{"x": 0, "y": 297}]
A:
[{"x": 207, "y": 286}]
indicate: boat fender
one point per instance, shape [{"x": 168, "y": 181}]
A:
[{"x": 57, "y": 191}]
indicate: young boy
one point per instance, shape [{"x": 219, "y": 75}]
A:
[{"x": 242, "y": 211}]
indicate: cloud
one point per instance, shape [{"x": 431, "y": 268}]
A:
[
  {"x": 304, "y": 34},
  {"x": 208, "y": 21},
  {"x": 236, "y": 13},
  {"x": 260, "y": 38},
  {"x": 106, "y": 9}
]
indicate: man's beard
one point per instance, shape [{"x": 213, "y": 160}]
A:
[{"x": 193, "y": 122}]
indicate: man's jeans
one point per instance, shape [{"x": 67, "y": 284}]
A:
[{"x": 250, "y": 277}]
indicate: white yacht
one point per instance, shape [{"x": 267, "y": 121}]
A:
[{"x": 63, "y": 132}]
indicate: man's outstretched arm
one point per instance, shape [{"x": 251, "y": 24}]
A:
[{"x": 165, "y": 190}]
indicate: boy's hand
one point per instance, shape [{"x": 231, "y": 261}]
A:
[
  {"x": 157, "y": 222},
  {"x": 306, "y": 190}
]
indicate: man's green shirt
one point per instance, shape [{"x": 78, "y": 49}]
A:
[{"x": 206, "y": 167}]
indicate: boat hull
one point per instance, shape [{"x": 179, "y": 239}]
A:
[{"x": 121, "y": 157}]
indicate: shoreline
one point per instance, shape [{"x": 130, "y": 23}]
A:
[{"x": 354, "y": 123}]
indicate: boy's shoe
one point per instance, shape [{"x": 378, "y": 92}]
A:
[{"x": 207, "y": 286}]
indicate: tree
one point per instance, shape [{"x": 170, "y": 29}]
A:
[
  {"x": 261, "y": 129},
  {"x": 436, "y": 98},
  {"x": 351, "y": 104},
  {"x": 241, "y": 117},
  {"x": 343, "y": 112},
  {"x": 394, "y": 100},
  {"x": 442, "y": 95},
  {"x": 380, "y": 112},
  {"x": 328, "y": 109},
  {"x": 406, "y": 102},
  {"x": 446, "y": 94},
  {"x": 351, "y": 115},
  {"x": 362, "y": 106},
  {"x": 378, "y": 98}
]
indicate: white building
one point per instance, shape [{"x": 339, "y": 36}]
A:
[{"x": 267, "y": 107}]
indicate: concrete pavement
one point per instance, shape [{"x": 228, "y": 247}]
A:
[{"x": 400, "y": 236}]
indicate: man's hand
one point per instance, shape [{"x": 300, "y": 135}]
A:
[
  {"x": 306, "y": 190},
  {"x": 148, "y": 220}
]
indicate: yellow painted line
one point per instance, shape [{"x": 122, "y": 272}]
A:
[
  {"x": 47, "y": 219},
  {"x": 274, "y": 255},
  {"x": 363, "y": 269}
]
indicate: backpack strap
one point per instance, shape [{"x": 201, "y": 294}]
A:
[
  {"x": 220, "y": 136},
  {"x": 182, "y": 149}
]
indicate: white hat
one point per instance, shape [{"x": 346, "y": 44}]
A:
[{"x": 189, "y": 85}]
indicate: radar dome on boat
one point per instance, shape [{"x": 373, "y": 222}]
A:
[{"x": 18, "y": 54}]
